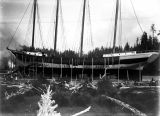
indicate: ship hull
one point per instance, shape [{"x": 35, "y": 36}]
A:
[
  {"x": 134, "y": 61},
  {"x": 127, "y": 62}
]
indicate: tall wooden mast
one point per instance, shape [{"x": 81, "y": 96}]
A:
[
  {"x": 82, "y": 32},
  {"x": 115, "y": 25},
  {"x": 34, "y": 18},
  {"x": 56, "y": 26}
]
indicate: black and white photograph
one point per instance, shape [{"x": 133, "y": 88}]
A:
[{"x": 79, "y": 57}]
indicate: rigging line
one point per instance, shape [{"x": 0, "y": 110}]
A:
[
  {"x": 28, "y": 28},
  {"x": 52, "y": 26},
  {"x": 19, "y": 23},
  {"x": 90, "y": 24},
  {"x": 136, "y": 16},
  {"x": 39, "y": 25}
]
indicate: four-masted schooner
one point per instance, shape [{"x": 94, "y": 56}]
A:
[{"x": 81, "y": 65}]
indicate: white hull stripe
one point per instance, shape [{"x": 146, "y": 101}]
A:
[{"x": 136, "y": 56}]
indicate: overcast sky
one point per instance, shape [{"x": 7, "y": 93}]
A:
[{"x": 100, "y": 29}]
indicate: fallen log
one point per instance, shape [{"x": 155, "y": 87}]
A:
[
  {"x": 82, "y": 112},
  {"x": 127, "y": 106}
]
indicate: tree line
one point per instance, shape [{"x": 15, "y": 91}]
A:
[{"x": 145, "y": 42}]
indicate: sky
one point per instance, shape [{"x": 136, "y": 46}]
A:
[{"x": 98, "y": 29}]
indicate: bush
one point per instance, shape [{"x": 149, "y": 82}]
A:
[
  {"x": 31, "y": 93},
  {"x": 47, "y": 107},
  {"x": 105, "y": 87},
  {"x": 102, "y": 101},
  {"x": 38, "y": 87},
  {"x": 40, "y": 82},
  {"x": 11, "y": 104},
  {"x": 42, "y": 79},
  {"x": 90, "y": 91},
  {"x": 16, "y": 99},
  {"x": 61, "y": 98},
  {"x": 80, "y": 99}
]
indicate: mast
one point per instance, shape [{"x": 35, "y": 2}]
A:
[
  {"x": 115, "y": 25},
  {"x": 34, "y": 18},
  {"x": 56, "y": 26},
  {"x": 82, "y": 32}
]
